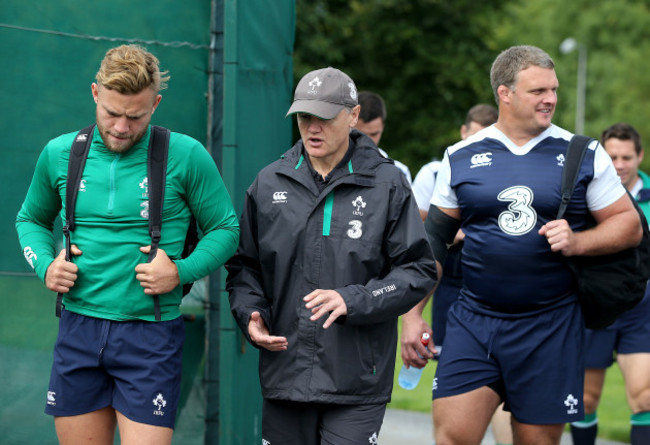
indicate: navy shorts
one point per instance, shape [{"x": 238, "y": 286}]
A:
[
  {"x": 297, "y": 423},
  {"x": 629, "y": 334},
  {"x": 132, "y": 366},
  {"x": 535, "y": 363}
]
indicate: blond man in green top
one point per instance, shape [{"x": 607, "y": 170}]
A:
[{"x": 113, "y": 364}]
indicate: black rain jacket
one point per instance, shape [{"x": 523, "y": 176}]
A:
[{"x": 363, "y": 237}]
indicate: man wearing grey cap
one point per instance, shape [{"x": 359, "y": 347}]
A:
[{"x": 332, "y": 250}]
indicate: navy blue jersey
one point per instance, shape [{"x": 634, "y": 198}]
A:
[{"x": 505, "y": 194}]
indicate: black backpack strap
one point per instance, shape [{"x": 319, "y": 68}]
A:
[
  {"x": 574, "y": 155},
  {"x": 77, "y": 161},
  {"x": 157, "y": 175}
]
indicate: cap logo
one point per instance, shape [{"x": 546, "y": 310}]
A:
[
  {"x": 353, "y": 91},
  {"x": 314, "y": 83}
]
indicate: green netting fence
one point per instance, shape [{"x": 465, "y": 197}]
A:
[{"x": 231, "y": 82}]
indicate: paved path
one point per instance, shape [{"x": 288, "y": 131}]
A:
[{"x": 414, "y": 428}]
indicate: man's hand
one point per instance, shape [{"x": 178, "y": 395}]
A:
[
  {"x": 159, "y": 276},
  {"x": 560, "y": 237},
  {"x": 322, "y": 302},
  {"x": 259, "y": 334},
  {"x": 62, "y": 274},
  {"x": 459, "y": 238},
  {"x": 617, "y": 227},
  {"x": 413, "y": 326}
]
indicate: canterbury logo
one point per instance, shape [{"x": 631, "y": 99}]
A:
[
  {"x": 279, "y": 197},
  {"x": 481, "y": 159},
  {"x": 30, "y": 256}
]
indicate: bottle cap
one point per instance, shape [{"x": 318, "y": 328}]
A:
[{"x": 425, "y": 339}]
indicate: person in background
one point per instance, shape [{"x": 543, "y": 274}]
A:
[
  {"x": 515, "y": 334},
  {"x": 478, "y": 117},
  {"x": 628, "y": 339},
  {"x": 114, "y": 364},
  {"x": 332, "y": 252},
  {"x": 372, "y": 121}
]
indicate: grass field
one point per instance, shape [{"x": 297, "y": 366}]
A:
[{"x": 613, "y": 412}]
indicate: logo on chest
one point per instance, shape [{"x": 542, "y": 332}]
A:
[
  {"x": 481, "y": 160},
  {"x": 144, "y": 205},
  {"x": 279, "y": 198},
  {"x": 144, "y": 185},
  {"x": 520, "y": 217},
  {"x": 144, "y": 212},
  {"x": 355, "y": 232},
  {"x": 358, "y": 204}
]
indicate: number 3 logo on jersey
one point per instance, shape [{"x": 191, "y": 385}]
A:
[
  {"x": 520, "y": 217},
  {"x": 355, "y": 231}
]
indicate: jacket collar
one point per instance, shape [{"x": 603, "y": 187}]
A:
[{"x": 364, "y": 157}]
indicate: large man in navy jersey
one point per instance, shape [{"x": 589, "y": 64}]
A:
[{"x": 516, "y": 332}]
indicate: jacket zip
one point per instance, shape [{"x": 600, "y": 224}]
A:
[{"x": 111, "y": 192}]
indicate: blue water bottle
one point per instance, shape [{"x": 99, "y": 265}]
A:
[{"x": 409, "y": 378}]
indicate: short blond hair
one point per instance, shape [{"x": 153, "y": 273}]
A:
[{"x": 129, "y": 69}]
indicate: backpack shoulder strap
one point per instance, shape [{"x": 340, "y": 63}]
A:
[
  {"x": 574, "y": 155},
  {"x": 77, "y": 161},
  {"x": 157, "y": 175}
]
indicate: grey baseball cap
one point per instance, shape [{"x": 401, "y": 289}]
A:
[{"x": 324, "y": 93}]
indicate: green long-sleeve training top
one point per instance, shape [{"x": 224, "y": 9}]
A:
[{"x": 111, "y": 219}]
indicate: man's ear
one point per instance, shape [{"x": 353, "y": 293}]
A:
[
  {"x": 95, "y": 90},
  {"x": 354, "y": 116},
  {"x": 503, "y": 92},
  {"x": 463, "y": 131},
  {"x": 156, "y": 103}
]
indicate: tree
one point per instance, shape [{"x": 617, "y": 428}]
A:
[
  {"x": 429, "y": 59},
  {"x": 617, "y": 37}
]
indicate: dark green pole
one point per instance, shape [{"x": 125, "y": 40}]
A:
[{"x": 215, "y": 145}]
